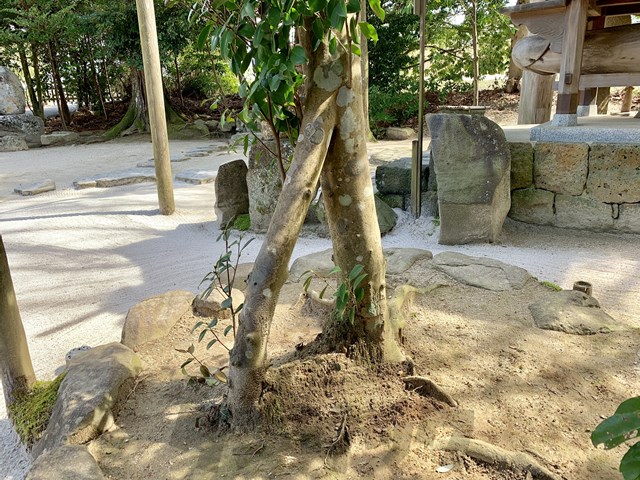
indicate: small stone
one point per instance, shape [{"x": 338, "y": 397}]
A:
[
  {"x": 232, "y": 195},
  {"x": 13, "y": 143},
  {"x": 115, "y": 179},
  {"x": 212, "y": 305},
  {"x": 59, "y": 138},
  {"x": 400, "y": 133},
  {"x": 387, "y": 218},
  {"x": 197, "y": 177},
  {"x": 36, "y": 188}
]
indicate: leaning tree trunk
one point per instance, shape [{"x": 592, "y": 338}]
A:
[
  {"x": 331, "y": 142},
  {"x": 15, "y": 362},
  {"x": 36, "y": 106},
  {"x": 65, "y": 115}
]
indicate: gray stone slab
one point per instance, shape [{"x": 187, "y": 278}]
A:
[
  {"x": 115, "y": 179},
  {"x": 35, "y": 188},
  {"x": 13, "y": 143},
  {"x": 28, "y": 126},
  {"x": 584, "y": 134},
  {"x": 572, "y": 312},
  {"x": 69, "y": 462},
  {"x": 197, "y": 177},
  {"x": 95, "y": 382},
  {"x": 59, "y": 138},
  {"x": 150, "y": 162},
  {"x": 481, "y": 272}
]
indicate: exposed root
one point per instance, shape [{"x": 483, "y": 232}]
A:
[
  {"x": 342, "y": 441},
  {"x": 495, "y": 456},
  {"x": 323, "y": 302},
  {"x": 428, "y": 388}
]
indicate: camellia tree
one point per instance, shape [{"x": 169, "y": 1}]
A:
[{"x": 330, "y": 147}]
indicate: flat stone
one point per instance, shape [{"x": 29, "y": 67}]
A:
[
  {"x": 583, "y": 213},
  {"x": 629, "y": 218},
  {"x": 400, "y": 133},
  {"x": 13, "y": 143},
  {"x": 395, "y": 200},
  {"x": 30, "y": 127},
  {"x": 12, "y": 99},
  {"x": 572, "y": 312},
  {"x": 521, "y": 165},
  {"x": 197, "y": 177},
  {"x": 387, "y": 218},
  {"x": 614, "y": 173},
  {"x": 232, "y": 194},
  {"x": 59, "y": 138},
  {"x": 399, "y": 260},
  {"x": 154, "y": 317},
  {"x": 68, "y": 462},
  {"x": 395, "y": 177},
  {"x": 188, "y": 132},
  {"x": 35, "y": 188},
  {"x": 471, "y": 159},
  {"x": 95, "y": 383},
  {"x": 150, "y": 162},
  {"x": 561, "y": 167},
  {"x": 481, "y": 272},
  {"x": 531, "y": 205},
  {"x": 115, "y": 179},
  {"x": 212, "y": 305}
]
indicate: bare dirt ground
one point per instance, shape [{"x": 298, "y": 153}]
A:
[{"x": 518, "y": 387}]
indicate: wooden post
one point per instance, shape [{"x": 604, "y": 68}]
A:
[
  {"x": 627, "y": 97},
  {"x": 16, "y": 368},
  {"x": 155, "y": 99},
  {"x": 568, "y": 86},
  {"x": 536, "y": 95},
  {"x": 602, "y": 100}
]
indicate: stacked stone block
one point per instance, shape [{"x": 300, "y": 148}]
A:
[{"x": 576, "y": 185}]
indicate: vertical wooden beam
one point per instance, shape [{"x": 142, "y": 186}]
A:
[
  {"x": 602, "y": 100},
  {"x": 587, "y": 102},
  {"x": 536, "y": 95},
  {"x": 572, "y": 46},
  {"x": 155, "y": 99}
]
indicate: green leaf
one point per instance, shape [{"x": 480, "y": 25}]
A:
[
  {"x": 226, "y": 303},
  {"x": 298, "y": 56},
  {"x": 201, "y": 336},
  {"x": 358, "y": 280},
  {"x": 204, "y": 35},
  {"x": 317, "y": 5},
  {"x": 204, "y": 371},
  {"x": 337, "y": 13},
  {"x": 630, "y": 463},
  {"x": 227, "y": 330},
  {"x": 620, "y": 427},
  {"x": 318, "y": 32},
  {"x": 196, "y": 326},
  {"x": 377, "y": 9},
  {"x": 359, "y": 294},
  {"x": 369, "y": 31},
  {"x": 239, "y": 308},
  {"x": 220, "y": 375},
  {"x": 273, "y": 16},
  {"x": 181, "y": 350},
  {"x": 274, "y": 82},
  {"x": 191, "y": 348},
  {"x": 333, "y": 46},
  {"x": 355, "y": 271},
  {"x": 211, "y": 343},
  {"x": 213, "y": 323},
  {"x": 352, "y": 316},
  {"x": 307, "y": 283},
  {"x": 334, "y": 270},
  {"x": 355, "y": 49},
  {"x": 322, "y": 292},
  {"x": 353, "y": 6},
  {"x": 186, "y": 362},
  {"x": 248, "y": 10}
]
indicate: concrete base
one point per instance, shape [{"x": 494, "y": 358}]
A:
[
  {"x": 587, "y": 110},
  {"x": 594, "y": 129},
  {"x": 564, "y": 120}
]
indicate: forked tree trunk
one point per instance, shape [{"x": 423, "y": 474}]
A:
[
  {"x": 15, "y": 362},
  {"x": 332, "y": 142},
  {"x": 36, "y": 106},
  {"x": 136, "y": 120}
]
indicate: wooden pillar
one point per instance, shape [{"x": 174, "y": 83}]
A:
[
  {"x": 536, "y": 95},
  {"x": 572, "y": 46},
  {"x": 155, "y": 98},
  {"x": 627, "y": 97},
  {"x": 602, "y": 100},
  {"x": 587, "y": 102}
]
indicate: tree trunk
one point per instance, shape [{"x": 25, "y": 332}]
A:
[
  {"x": 536, "y": 95},
  {"x": 36, "y": 106},
  {"x": 65, "y": 115},
  {"x": 36, "y": 74},
  {"x": 96, "y": 80},
  {"x": 364, "y": 72},
  {"x": 15, "y": 361},
  {"x": 515, "y": 72},
  {"x": 476, "y": 60},
  {"x": 627, "y": 98},
  {"x": 136, "y": 120},
  {"x": 333, "y": 123},
  {"x": 178, "y": 79}
]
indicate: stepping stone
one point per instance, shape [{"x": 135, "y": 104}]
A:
[
  {"x": 197, "y": 177},
  {"x": 150, "y": 162},
  {"x": 59, "y": 138},
  {"x": 115, "y": 179},
  {"x": 481, "y": 272},
  {"x": 35, "y": 188}
]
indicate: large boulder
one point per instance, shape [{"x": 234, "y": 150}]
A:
[
  {"x": 12, "y": 143},
  {"x": 69, "y": 462},
  {"x": 264, "y": 183},
  {"x": 471, "y": 158},
  {"x": 154, "y": 317},
  {"x": 29, "y": 127},
  {"x": 96, "y": 381},
  {"x": 12, "y": 100},
  {"x": 232, "y": 195},
  {"x": 395, "y": 177},
  {"x": 572, "y": 312},
  {"x": 387, "y": 218}
]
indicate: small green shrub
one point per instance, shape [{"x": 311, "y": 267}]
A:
[
  {"x": 390, "y": 109},
  {"x": 622, "y": 426},
  {"x": 31, "y": 410},
  {"x": 551, "y": 285},
  {"x": 242, "y": 222}
]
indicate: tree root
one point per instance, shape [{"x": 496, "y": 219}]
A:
[
  {"x": 428, "y": 388},
  {"x": 494, "y": 455},
  {"x": 342, "y": 440},
  {"x": 323, "y": 302}
]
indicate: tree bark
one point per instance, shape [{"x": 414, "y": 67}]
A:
[
  {"x": 15, "y": 360},
  {"x": 36, "y": 106},
  {"x": 38, "y": 79},
  {"x": 65, "y": 115},
  {"x": 136, "y": 119},
  {"x": 515, "y": 72},
  {"x": 476, "y": 60},
  {"x": 536, "y": 95},
  {"x": 331, "y": 143},
  {"x": 364, "y": 72}
]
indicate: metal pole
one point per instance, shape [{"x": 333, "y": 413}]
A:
[{"x": 419, "y": 8}]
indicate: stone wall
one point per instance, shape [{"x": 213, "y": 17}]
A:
[{"x": 576, "y": 185}]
